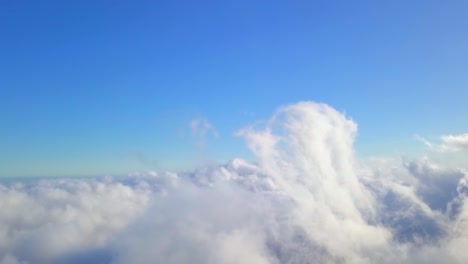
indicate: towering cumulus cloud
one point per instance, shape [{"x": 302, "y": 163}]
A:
[
  {"x": 306, "y": 149},
  {"x": 304, "y": 200}
]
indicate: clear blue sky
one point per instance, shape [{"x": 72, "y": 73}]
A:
[{"x": 108, "y": 87}]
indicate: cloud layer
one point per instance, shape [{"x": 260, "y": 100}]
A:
[{"x": 305, "y": 199}]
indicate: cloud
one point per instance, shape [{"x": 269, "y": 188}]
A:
[
  {"x": 310, "y": 159},
  {"x": 450, "y": 143},
  {"x": 49, "y": 219},
  {"x": 200, "y": 128},
  {"x": 455, "y": 142},
  {"x": 305, "y": 199}
]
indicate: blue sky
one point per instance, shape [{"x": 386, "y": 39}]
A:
[{"x": 92, "y": 88}]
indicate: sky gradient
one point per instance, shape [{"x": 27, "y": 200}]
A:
[{"x": 103, "y": 88}]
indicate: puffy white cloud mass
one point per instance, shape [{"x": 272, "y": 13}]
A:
[
  {"x": 450, "y": 143},
  {"x": 305, "y": 199},
  {"x": 455, "y": 142}
]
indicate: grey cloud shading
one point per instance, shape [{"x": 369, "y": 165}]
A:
[{"x": 305, "y": 199}]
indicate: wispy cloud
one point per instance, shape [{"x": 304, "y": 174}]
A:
[
  {"x": 449, "y": 143},
  {"x": 200, "y": 128}
]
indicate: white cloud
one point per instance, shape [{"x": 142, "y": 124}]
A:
[
  {"x": 450, "y": 143},
  {"x": 310, "y": 158},
  {"x": 455, "y": 142},
  {"x": 43, "y": 221},
  {"x": 304, "y": 200}
]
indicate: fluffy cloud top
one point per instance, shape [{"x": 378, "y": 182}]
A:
[
  {"x": 304, "y": 200},
  {"x": 455, "y": 142},
  {"x": 450, "y": 143}
]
